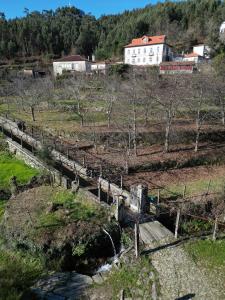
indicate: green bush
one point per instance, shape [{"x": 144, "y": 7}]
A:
[
  {"x": 17, "y": 273},
  {"x": 195, "y": 226}
]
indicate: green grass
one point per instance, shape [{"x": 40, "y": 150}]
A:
[
  {"x": 11, "y": 166},
  {"x": 134, "y": 279},
  {"x": 193, "y": 187},
  {"x": 210, "y": 254},
  {"x": 17, "y": 273},
  {"x": 78, "y": 208}
]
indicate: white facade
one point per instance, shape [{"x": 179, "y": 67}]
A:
[
  {"x": 202, "y": 50},
  {"x": 222, "y": 28},
  {"x": 143, "y": 55},
  {"x": 195, "y": 58},
  {"x": 79, "y": 66},
  {"x": 99, "y": 67}
]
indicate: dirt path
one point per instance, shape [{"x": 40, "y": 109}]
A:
[{"x": 180, "y": 278}]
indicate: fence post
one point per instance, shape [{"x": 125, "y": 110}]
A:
[
  {"x": 99, "y": 190},
  {"x": 184, "y": 191},
  {"x": 177, "y": 223},
  {"x": 121, "y": 182},
  {"x": 208, "y": 187},
  {"x": 136, "y": 238},
  {"x": 157, "y": 205},
  {"x": 108, "y": 190},
  {"x": 215, "y": 228}
]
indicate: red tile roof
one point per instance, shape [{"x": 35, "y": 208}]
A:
[
  {"x": 72, "y": 58},
  {"x": 147, "y": 40}
]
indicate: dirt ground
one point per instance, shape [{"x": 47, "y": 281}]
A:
[{"x": 161, "y": 179}]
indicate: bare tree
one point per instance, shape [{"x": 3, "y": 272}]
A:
[
  {"x": 198, "y": 90},
  {"x": 111, "y": 86},
  {"x": 74, "y": 89},
  {"x": 32, "y": 92},
  {"x": 168, "y": 96}
]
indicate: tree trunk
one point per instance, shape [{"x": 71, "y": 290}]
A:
[
  {"x": 197, "y": 130},
  {"x": 109, "y": 120},
  {"x": 135, "y": 131},
  {"x": 32, "y": 113},
  {"x": 222, "y": 112},
  {"x": 167, "y": 134}
]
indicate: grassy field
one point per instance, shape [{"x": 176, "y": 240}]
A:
[
  {"x": 11, "y": 166},
  {"x": 196, "y": 187},
  {"x": 210, "y": 256}
]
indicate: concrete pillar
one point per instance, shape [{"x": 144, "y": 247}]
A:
[
  {"x": 139, "y": 198},
  {"x": 119, "y": 212}
]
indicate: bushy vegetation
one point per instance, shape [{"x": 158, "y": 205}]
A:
[
  {"x": 11, "y": 166},
  {"x": 51, "y": 33},
  {"x": 17, "y": 273},
  {"x": 77, "y": 206}
]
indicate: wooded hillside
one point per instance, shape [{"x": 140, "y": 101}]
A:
[{"x": 69, "y": 30}]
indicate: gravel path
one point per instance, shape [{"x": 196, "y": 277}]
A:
[{"x": 180, "y": 278}]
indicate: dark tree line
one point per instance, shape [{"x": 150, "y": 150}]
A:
[{"x": 69, "y": 30}]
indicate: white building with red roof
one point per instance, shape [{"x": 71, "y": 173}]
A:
[
  {"x": 71, "y": 63},
  {"x": 147, "y": 50}
]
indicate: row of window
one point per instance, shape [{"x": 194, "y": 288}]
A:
[
  {"x": 138, "y": 60},
  {"x": 133, "y": 51}
]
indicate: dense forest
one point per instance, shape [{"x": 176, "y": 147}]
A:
[{"x": 69, "y": 30}]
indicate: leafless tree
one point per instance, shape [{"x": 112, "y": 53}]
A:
[
  {"x": 111, "y": 85},
  {"x": 32, "y": 92},
  {"x": 74, "y": 89},
  {"x": 168, "y": 97},
  {"x": 198, "y": 99}
]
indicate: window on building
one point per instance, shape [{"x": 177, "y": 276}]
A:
[
  {"x": 128, "y": 52},
  {"x": 139, "y": 60},
  {"x": 150, "y": 59},
  {"x": 133, "y": 61},
  {"x": 144, "y": 50},
  {"x": 73, "y": 66},
  {"x": 139, "y": 51},
  {"x": 158, "y": 49},
  {"x": 128, "y": 61},
  {"x": 144, "y": 60},
  {"x": 133, "y": 51}
]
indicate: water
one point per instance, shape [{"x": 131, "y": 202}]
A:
[{"x": 113, "y": 246}]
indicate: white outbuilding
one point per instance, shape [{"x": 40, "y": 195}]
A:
[{"x": 71, "y": 63}]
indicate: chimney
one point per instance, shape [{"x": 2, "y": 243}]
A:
[{"x": 93, "y": 58}]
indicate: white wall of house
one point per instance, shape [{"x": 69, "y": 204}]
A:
[
  {"x": 79, "y": 66},
  {"x": 202, "y": 50},
  {"x": 99, "y": 66},
  {"x": 147, "y": 55},
  {"x": 196, "y": 59}
]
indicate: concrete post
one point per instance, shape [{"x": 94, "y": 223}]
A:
[
  {"x": 136, "y": 238},
  {"x": 139, "y": 198},
  {"x": 177, "y": 223}
]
